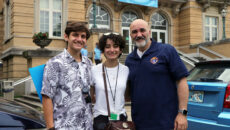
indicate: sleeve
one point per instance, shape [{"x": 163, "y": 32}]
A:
[
  {"x": 176, "y": 66},
  {"x": 50, "y": 79},
  {"x": 126, "y": 70},
  {"x": 90, "y": 67},
  {"x": 92, "y": 83},
  {"x": 127, "y": 65}
]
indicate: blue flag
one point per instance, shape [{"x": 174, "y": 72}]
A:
[
  {"x": 37, "y": 77},
  {"x": 151, "y": 3}
]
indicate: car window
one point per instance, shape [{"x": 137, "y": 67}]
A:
[
  {"x": 210, "y": 73},
  {"x": 225, "y": 76}
]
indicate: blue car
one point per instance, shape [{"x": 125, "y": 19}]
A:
[
  {"x": 16, "y": 116},
  {"x": 209, "y": 96}
]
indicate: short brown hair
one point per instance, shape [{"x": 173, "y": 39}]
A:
[{"x": 73, "y": 26}]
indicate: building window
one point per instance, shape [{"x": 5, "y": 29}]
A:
[
  {"x": 50, "y": 19},
  {"x": 127, "y": 18},
  {"x": 7, "y": 13},
  {"x": 102, "y": 18},
  {"x": 158, "y": 22},
  {"x": 211, "y": 28},
  {"x": 159, "y": 28}
]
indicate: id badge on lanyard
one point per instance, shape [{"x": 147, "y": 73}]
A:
[{"x": 114, "y": 116}]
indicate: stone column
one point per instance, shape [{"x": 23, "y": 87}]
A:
[{"x": 35, "y": 58}]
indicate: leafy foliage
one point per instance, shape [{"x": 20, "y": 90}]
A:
[{"x": 40, "y": 36}]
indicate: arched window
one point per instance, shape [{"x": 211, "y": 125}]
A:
[
  {"x": 159, "y": 28},
  {"x": 102, "y": 18},
  {"x": 127, "y": 18}
]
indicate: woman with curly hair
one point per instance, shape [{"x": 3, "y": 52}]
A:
[{"x": 116, "y": 74}]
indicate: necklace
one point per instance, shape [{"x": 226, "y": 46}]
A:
[{"x": 113, "y": 94}]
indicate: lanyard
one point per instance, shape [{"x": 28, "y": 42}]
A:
[{"x": 113, "y": 95}]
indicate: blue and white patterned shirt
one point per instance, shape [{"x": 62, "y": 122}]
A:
[{"x": 63, "y": 80}]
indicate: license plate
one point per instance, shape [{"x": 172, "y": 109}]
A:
[{"x": 196, "y": 96}]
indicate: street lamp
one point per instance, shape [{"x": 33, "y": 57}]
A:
[
  {"x": 94, "y": 14},
  {"x": 223, "y": 13}
]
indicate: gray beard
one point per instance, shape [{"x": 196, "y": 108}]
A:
[{"x": 141, "y": 44}]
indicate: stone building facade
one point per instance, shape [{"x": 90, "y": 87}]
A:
[{"x": 185, "y": 24}]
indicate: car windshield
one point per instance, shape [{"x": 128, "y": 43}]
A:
[{"x": 210, "y": 73}]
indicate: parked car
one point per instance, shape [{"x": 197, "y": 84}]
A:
[
  {"x": 15, "y": 116},
  {"x": 209, "y": 96}
]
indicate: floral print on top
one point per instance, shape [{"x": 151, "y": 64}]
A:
[{"x": 63, "y": 80}]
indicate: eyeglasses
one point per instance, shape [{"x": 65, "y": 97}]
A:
[{"x": 109, "y": 33}]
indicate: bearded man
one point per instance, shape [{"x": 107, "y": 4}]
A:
[{"x": 159, "y": 89}]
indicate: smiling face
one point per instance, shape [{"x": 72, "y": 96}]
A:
[
  {"x": 111, "y": 50},
  {"x": 76, "y": 41},
  {"x": 140, "y": 33}
]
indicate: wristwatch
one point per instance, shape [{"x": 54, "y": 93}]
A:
[{"x": 183, "y": 111}]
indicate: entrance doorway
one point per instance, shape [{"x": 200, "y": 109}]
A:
[
  {"x": 159, "y": 28},
  {"x": 127, "y": 18},
  {"x": 128, "y": 41},
  {"x": 159, "y": 35}
]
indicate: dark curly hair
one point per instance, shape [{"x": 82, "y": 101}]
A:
[{"x": 115, "y": 37}]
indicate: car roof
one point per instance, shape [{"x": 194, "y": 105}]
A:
[
  {"x": 215, "y": 61},
  {"x": 14, "y": 108}
]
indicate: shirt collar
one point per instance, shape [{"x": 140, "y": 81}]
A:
[
  {"x": 140, "y": 53},
  {"x": 83, "y": 59},
  {"x": 70, "y": 58},
  {"x": 151, "y": 49}
]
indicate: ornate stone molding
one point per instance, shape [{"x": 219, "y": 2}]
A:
[
  {"x": 221, "y": 7},
  {"x": 175, "y": 5},
  {"x": 210, "y": 43},
  {"x": 12, "y": 52},
  {"x": 206, "y": 6},
  {"x": 147, "y": 10},
  {"x": 176, "y": 9},
  {"x": 219, "y": 3},
  {"x": 28, "y": 54},
  {"x": 117, "y": 6},
  {"x": 100, "y": 30}
]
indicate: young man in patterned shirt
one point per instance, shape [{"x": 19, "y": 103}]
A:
[{"x": 65, "y": 77}]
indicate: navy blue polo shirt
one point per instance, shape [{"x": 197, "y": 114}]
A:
[{"x": 153, "y": 86}]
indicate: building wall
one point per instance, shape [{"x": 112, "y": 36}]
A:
[
  {"x": 190, "y": 24},
  {"x": 227, "y": 23},
  {"x": 222, "y": 49},
  {"x": 1, "y": 25},
  {"x": 184, "y": 29},
  {"x": 23, "y": 26},
  {"x": 143, "y": 13},
  {"x": 195, "y": 23},
  {"x": 1, "y": 36},
  {"x": 17, "y": 67},
  {"x": 76, "y": 10},
  {"x": 5, "y": 69}
]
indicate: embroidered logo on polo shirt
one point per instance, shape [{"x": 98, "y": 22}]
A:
[{"x": 154, "y": 60}]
